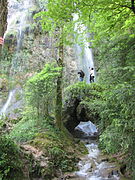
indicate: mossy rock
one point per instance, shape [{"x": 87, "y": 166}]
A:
[
  {"x": 80, "y": 104},
  {"x": 62, "y": 152},
  {"x": 10, "y": 159}
]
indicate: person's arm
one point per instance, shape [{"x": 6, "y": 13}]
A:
[{"x": 1, "y": 41}]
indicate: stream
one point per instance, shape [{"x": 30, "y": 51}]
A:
[{"x": 94, "y": 166}]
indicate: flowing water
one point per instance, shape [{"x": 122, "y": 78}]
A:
[
  {"x": 13, "y": 103},
  {"x": 6, "y": 105},
  {"x": 18, "y": 13},
  {"x": 94, "y": 166},
  {"x": 18, "y": 22},
  {"x": 19, "y": 19},
  {"x": 85, "y": 59}
]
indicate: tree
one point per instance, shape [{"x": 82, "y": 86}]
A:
[
  {"x": 3, "y": 18},
  {"x": 56, "y": 20},
  {"x": 41, "y": 91},
  {"x": 107, "y": 18}
]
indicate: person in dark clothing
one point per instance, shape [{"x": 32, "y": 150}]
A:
[{"x": 82, "y": 74}]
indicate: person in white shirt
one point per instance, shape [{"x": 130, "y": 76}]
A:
[{"x": 92, "y": 75}]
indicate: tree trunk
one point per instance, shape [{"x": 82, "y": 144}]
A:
[
  {"x": 58, "y": 109},
  {"x": 3, "y": 18}
]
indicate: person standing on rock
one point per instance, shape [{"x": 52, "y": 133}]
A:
[
  {"x": 82, "y": 74},
  {"x": 92, "y": 75}
]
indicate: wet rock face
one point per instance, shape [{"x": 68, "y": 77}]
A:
[
  {"x": 32, "y": 48},
  {"x": 20, "y": 19},
  {"x": 3, "y": 84}
]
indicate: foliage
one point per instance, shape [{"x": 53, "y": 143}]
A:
[
  {"x": 118, "y": 126},
  {"x": 38, "y": 124},
  {"x": 82, "y": 100},
  {"x": 5, "y": 62},
  {"x": 106, "y": 18},
  {"x": 41, "y": 90},
  {"x": 10, "y": 164},
  {"x": 60, "y": 150},
  {"x": 40, "y": 104},
  {"x": 82, "y": 90},
  {"x": 116, "y": 61},
  {"x": 29, "y": 126},
  {"x": 58, "y": 18},
  {"x": 111, "y": 22}
]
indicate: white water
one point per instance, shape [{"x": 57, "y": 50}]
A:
[
  {"x": 88, "y": 128},
  {"x": 8, "y": 102},
  {"x": 84, "y": 54},
  {"x": 91, "y": 166},
  {"x": 18, "y": 16},
  {"x": 18, "y": 22}
]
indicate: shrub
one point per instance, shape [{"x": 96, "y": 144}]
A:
[{"x": 10, "y": 164}]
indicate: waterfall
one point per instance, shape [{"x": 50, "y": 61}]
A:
[
  {"x": 26, "y": 4},
  {"x": 18, "y": 22},
  {"x": 84, "y": 54},
  {"x": 6, "y": 105}
]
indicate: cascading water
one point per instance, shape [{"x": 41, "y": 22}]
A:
[
  {"x": 6, "y": 105},
  {"x": 84, "y": 54},
  {"x": 93, "y": 166},
  {"x": 13, "y": 104},
  {"x": 18, "y": 13},
  {"x": 18, "y": 21}
]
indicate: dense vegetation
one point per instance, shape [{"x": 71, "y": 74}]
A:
[
  {"x": 10, "y": 159},
  {"x": 38, "y": 125},
  {"x": 111, "y": 98},
  {"x": 111, "y": 23},
  {"x": 118, "y": 110}
]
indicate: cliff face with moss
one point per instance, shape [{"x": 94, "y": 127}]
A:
[{"x": 27, "y": 49}]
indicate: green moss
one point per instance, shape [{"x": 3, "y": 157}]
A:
[
  {"x": 10, "y": 163},
  {"x": 82, "y": 97},
  {"x": 11, "y": 33},
  {"x": 60, "y": 149},
  {"x": 85, "y": 93}
]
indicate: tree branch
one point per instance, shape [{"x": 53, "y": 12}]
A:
[{"x": 133, "y": 6}]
